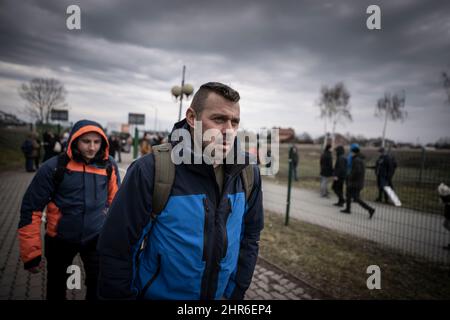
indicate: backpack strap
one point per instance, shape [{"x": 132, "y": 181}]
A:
[
  {"x": 58, "y": 174},
  {"x": 248, "y": 180},
  {"x": 109, "y": 169},
  {"x": 164, "y": 177}
]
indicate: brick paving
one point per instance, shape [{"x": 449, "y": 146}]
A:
[{"x": 269, "y": 282}]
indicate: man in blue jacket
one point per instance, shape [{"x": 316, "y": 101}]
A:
[
  {"x": 76, "y": 188},
  {"x": 204, "y": 243}
]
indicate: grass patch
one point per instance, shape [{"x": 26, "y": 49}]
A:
[
  {"x": 11, "y": 139},
  {"x": 336, "y": 263}
]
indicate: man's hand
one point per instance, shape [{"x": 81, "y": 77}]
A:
[{"x": 36, "y": 269}]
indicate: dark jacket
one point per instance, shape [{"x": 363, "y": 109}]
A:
[
  {"x": 203, "y": 245},
  {"x": 77, "y": 208},
  {"x": 27, "y": 148},
  {"x": 382, "y": 166},
  {"x": 293, "y": 155},
  {"x": 340, "y": 167},
  {"x": 385, "y": 166},
  {"x": 326, "y": 164},
  {"x": 392, "y": 166},
  {"x": 356, "y": 178}
]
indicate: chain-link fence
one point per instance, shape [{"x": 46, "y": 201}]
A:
[{"x": 416, "y": 227}]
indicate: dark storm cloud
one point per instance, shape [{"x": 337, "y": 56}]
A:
[
  {"x": 332, "y": 30},
  {"x": 289, "y": 47}
]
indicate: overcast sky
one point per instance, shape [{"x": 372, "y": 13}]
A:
[{"x": 277, "y": 54}]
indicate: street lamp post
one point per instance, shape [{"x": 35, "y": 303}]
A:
[{"x": 185, "y": 89}]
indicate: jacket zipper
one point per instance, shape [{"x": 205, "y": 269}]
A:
[
  {"x": 225, "y": 233},
  {"x": 84, "y": 203},
  {"x": 205, "y": 228},
  {"x": 152, "y": 279},
  {"x": 142, "y": 248}
]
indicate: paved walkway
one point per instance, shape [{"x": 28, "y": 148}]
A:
[
  {"x": 269, "y": 282},
  {"x": 413, "y": 232}
]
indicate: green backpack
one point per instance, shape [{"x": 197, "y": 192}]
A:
[{"x": 165, "y": 176}]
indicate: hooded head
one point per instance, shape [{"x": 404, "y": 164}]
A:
[
  {"x": 340, "y": 150},
  {"x": 81, "y": 128},
  {"x": 354, "y": 147}
]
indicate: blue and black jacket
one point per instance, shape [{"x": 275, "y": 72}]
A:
[
  {"x": 203, "y": 245},
  {"x": 76, "y": 206}
]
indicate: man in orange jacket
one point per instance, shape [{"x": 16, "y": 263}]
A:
[{"x": 76, "y": 188}]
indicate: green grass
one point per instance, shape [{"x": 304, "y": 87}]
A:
[
  {"x": 415, "y": 184},
  {"x": 11, "y": 157},
  {"x": 336, "y": 263}
]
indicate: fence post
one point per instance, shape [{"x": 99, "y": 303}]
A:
[
  {"x": 135, "y": 142},
  {"x": 288, "y": 201},
  {"x": 422, "y": 166}
]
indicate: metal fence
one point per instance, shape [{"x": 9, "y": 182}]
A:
[{"x": 415, "y": 228}]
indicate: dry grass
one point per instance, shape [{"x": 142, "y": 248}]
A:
[
  {"x": 336, "y": 263},
  {"x": 11, "y": 156}
]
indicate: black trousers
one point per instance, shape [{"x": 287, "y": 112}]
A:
[
  {"x": 294, "y": 171},
  {"x": 29, "y": 164},
  {"x": 355, "y": 195},
  {"x": 338, "y": 188},
  {"x": 59, "y": 255},
  {"x": 36, "y": 162}
]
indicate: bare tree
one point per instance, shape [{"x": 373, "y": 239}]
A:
[
  {"x": 334, "y": 107},
  {"x": 390, "y": 107},
  {"x": 43, "y": 95},
  {"x": 446, "y": 83}
]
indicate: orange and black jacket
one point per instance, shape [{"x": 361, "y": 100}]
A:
[{"x": 76, "y": 206}]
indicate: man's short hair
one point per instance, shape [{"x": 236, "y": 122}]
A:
[{"x": 198, "y": 102}]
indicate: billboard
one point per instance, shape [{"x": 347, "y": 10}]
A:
[
  {"x": 136, "y": 118},
  {"x": 59, "y": 115}
]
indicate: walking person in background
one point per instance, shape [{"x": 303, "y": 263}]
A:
[
  {"x": 145, "y": 146},
  {"x": 49, "y": 144},
  {"x": 326, "y": 170},
  {"x": 392, "y": 168},
  {"x": 339, "y": 175},
  {"x": 293, "y": 156},
  {"x": 382, "y": 173},
  {"x": 355, "y": 182},
  {"x": 36, "y": 154},
  {"x": 112, "y": 146},
  {"x": 385, "y": 167},
  {"x": 27, "y": 149},
  {"x": 52, "y": 146},
  {"x": 119, "y": 150},
  {"x": 65, "y": 141}
]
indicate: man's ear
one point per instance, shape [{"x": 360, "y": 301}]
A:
[{"x": 191, "y": 115}]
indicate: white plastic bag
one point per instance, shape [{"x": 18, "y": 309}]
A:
[{"x": 394, "y": 198}]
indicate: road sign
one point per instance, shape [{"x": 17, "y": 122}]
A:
[
  {"x": 136, "y": 118},
  {"x": 60, "y": 115}
]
